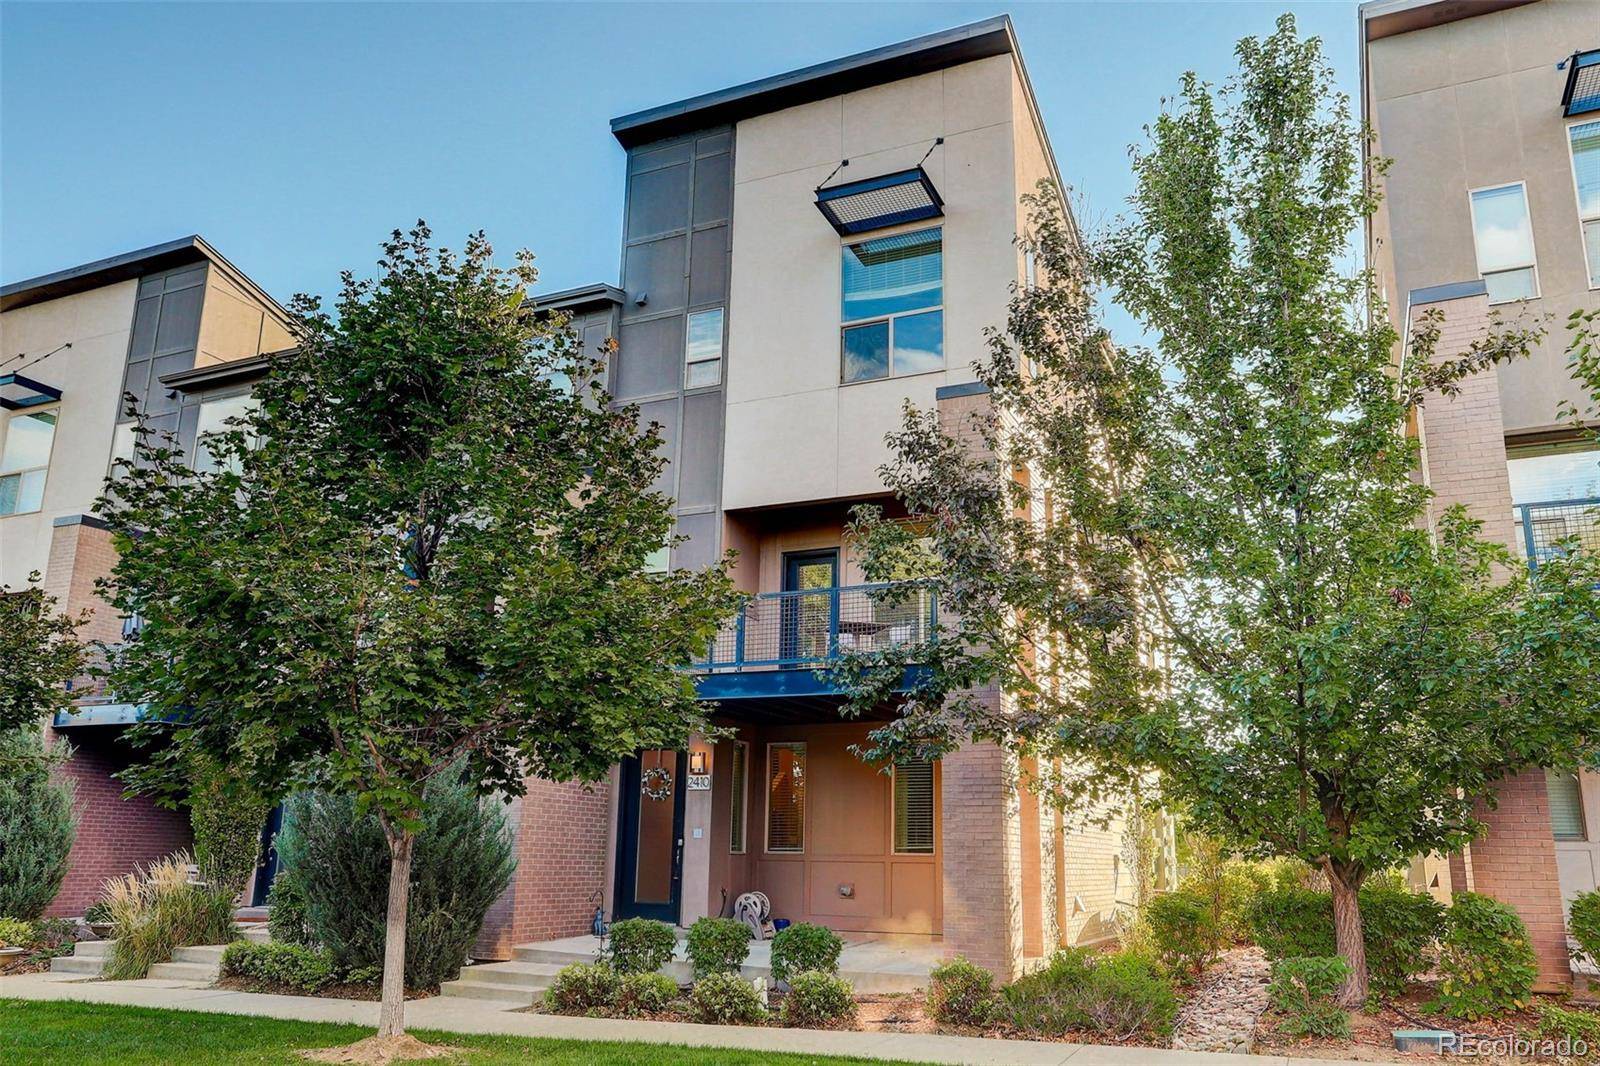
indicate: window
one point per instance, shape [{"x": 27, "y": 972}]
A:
[
  {"x": 658, "y": 561},
  {"x": 1503, "y": 236},
  {"x": 739, "y": 769},
  {"x": 1585, "y": 142},
  {"x": 913, "y": 808},
  {"x": 786, "y": 797},
  {"x": 214, "y": 416},
  {"x": 702, "y": 351},
  {"x": 893, "y": 292},
  {"x": 1566, "y": 806},
  {"x": 25, "y": 460},
  {"x": 1546, "y": 473}
]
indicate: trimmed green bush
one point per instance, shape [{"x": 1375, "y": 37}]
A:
[
  {"x": 462, "y": 861},
  {"x": 15, "y": 933},
  {"x": 1184, "y": 929},
  {"x": 584, "y": 988},
  {"x": 1303, "y": 991},
  {"x": 646, "y": 993},
  {"x": 1584, "y": 922},
  {"x": 961, "y": 993},
  {"x": 805, "y": 947},
  {"x": 287, "y": 911},
  {"x": 1399, "y": 928},
  {"x": 281, "y": 964},
  {"x": 1486, "y": 961},
  {"x": 718, "y": 945},
  {"x": 725, "y": 998},
  {"x": 817, "y": 1000},
  {"x": 36, "y": 824},
  {"x": 640, "y": 945},
  {"x": 1290, "y": 922},
  {"x": 1117, "y": 996}
]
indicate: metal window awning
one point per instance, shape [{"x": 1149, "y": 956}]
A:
[
  {"x": 17, "y": 392},
  {"x": 873, "y": 203},
  {"x": 1582, "y": 94}
]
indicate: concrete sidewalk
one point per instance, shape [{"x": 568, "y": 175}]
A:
[{"x": 465, "y": 1016}]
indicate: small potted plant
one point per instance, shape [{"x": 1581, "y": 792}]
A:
[
  {"x": 98, "y": 918},
  {"x": 15, "y": 936}
]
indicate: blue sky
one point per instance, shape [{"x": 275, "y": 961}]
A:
[{"x": 294, "y": 136}]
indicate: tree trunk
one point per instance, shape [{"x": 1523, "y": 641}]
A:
[
  {"x": 1348, "y": 936},
  {"x": 391, "y": 1018}
]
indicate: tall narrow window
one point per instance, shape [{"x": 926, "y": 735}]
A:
[
  {"x": 214, "y": 418},
  {"x": 737, "y": 774},
  {"x": 913, "y": 808},
  {"x": 786, "y": 797},
  {"x": 892, "y": 308},
  {"x": 1585, "y": 141},
  {"x": 1566, "y": 805},
  {"x": 1503, "y": 235},
  {"x": 25, "y": 460},
  {"x": 702, "y": 353}
]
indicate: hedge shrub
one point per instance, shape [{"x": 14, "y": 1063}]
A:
[
  {"x": 1303, "y": 991},
  {"x": 15, "y": 933},
  {"x": 1116, "y": 995},
  {"x": 1584, "y": 922},
  {"x": 718, "y": 945},
  {"x": 1290, "y": 922},
  {"x": 36, "y": 825},
  {"x": 462, "y": 861},
  {"x": 288, "y": 916},
  {"x": 584, "y": 988},
  {"x": 1486, "y": 961},
  {"x": 640, "y": 945},
  {"x": 961, "y": 993},
  {"x": 284, "y": 964},
  {"x": 1399, "y": 928},
  {"x": 725, "y": 999},
  {"x": 226, "y": 816},
  {"x": 817, "y": 1000},
  {"x": 805, "y": 947},
  {"x": 646, "y": 993},
  {"x": 1184, "y": 929}
]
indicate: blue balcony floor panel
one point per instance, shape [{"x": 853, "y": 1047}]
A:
[{"x": 787, "y": 696}]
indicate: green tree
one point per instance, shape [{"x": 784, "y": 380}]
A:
[
  {"x": 36, "y": 824},
  {"x": 1234, "y": 583},
  {"x": 42, "y": 654},
  {"x": 424, "y": 548}
]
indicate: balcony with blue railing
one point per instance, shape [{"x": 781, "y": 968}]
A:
[
  {"x": 1545, "y": 529},
  {"x": 780, "y": 644}
]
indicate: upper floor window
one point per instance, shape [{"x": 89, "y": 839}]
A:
[
  {"x": 25, "y": 459},
  {"x": 702, "y": 350},
  {"x": 892, "y": 308},
  {"x": 214, "y": 418},
  {"x": 1585, "y": 141},
  {"x": 1503, "y": 235}
]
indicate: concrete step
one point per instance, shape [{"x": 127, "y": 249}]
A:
[
  {"x": 530, "y": 975},
  {"x": 509, "y": 995},
  {"x": 556, "y": 956},
  {"x": 255, "y": 932},
  {"x": 204, "y": 973},
  {"x": 209, "y": 954},
  {"x": 88, "y": 965},
  {"x": 92, "y": 949}
]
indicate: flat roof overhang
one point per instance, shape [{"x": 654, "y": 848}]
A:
[
  {"x": 789, "y": 696},
  {"x": 920, "y": 55}
]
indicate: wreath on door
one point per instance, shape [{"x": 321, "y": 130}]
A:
[{"x": 656, "y": 783}]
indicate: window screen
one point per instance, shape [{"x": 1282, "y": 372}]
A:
[
  {"x": 786, "y": 797},
  {"x": 1566, "y": 806},
  {"x": 913, "y": 808},
  {"x": 736, "y": 778}
]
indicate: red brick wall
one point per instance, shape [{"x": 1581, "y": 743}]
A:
[
  {"x": 114, "y": 834},
  {"x": 1515, "y": 862},
  {"x": 563, "y": 834}
]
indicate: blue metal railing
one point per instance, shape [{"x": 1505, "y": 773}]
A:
[
  {"x": 812, "y": 627},
  {"x": 1546, "y": 525}
]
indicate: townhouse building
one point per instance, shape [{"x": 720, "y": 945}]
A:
[
  {"x": 1490, "y": 113},
  {"x": 183, "y": 332},
  {"x": 802, "y": 256}
]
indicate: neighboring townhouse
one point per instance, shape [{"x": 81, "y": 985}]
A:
[
  {"x": 1491, "y": 115},
  {"x": 182, "y": 330},
  {"x": 802, "y": 255}
]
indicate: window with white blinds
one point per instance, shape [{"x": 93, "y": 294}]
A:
[
  {"x": 1585, "y": 142},
  {"x": 913, "y": 808},
  {"x": 786, "y": 797},
  {"x": 1566, "y": 806},
  {"x": 736, "y": 778}
]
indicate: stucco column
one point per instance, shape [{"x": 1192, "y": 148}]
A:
[{"x": 697, "y": 841}]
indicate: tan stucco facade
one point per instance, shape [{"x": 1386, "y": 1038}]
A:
[
  {"x": 1473, "y": 104},
  {"x": 89, "y": 375}
]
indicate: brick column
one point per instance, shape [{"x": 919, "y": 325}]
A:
[
  {"x": 981, "y": 846},
  {"x": 1515, "y": 862}
]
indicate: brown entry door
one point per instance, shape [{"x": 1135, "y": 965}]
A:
[{"x": 650, "y": 836}]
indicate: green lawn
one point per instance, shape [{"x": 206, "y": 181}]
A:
[{"x": 57, "y": 1032}]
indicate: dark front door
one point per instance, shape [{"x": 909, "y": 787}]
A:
[
  {"x": 650, "y": 836},
  {"x": 811, "y": 606}
]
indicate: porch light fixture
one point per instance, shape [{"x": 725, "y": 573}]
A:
[
  {"x": 873, "y": 203},
  {"x": 697, "y": 762},
  {"x": 17, "y": 392},
  {"x": 1582, "y": 94}
]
